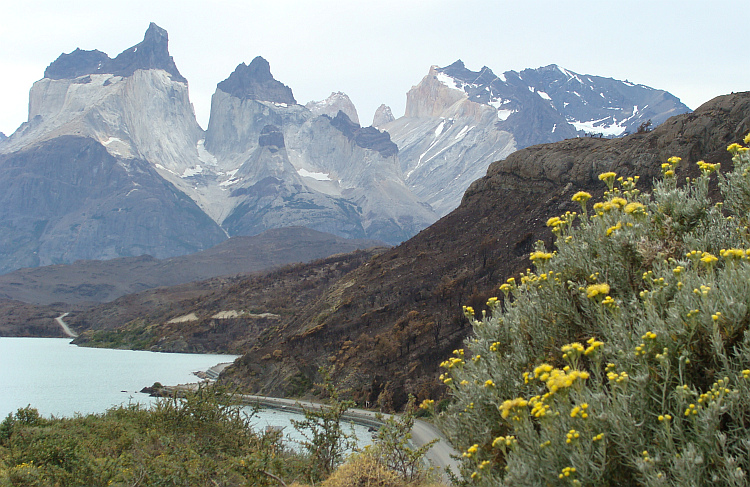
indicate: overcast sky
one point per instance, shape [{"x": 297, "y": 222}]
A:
[{"x": 375, "y": 51}]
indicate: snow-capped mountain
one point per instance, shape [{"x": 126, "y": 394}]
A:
[
  {"x": 458, "y": 121},
  {"x": 112, "y": 162}
]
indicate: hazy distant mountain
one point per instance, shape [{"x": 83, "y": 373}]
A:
[{"x": 95, "y": 281}]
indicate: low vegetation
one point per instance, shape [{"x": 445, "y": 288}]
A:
[
  {"x": 202, "y": 439},
  {"x": 624, "y": 357}
]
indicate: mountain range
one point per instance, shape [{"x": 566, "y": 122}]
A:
[
  {"x": 112, "y": 163},
  {"x": 382, "y": 321}
]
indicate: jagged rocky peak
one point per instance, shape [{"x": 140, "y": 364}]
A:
[
  {"x": 255, "y": 82},
  {"x": 151, "y": 53},
  {"x": 332, "y": 105},
  {"x": 365, "y": 137},
  {"x": 383, "y": 115}
]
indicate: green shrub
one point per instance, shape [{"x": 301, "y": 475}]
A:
[
  {"x": 201, "y": 439},
  {"x": 624, "y": 358}
]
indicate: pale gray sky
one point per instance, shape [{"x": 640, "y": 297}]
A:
[{"x": 375, "y": 51}]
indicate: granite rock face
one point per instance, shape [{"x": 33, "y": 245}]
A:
[{"x": 286, "y": 164}]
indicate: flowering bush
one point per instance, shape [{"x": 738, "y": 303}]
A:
[{"x": 624, "y": 358}]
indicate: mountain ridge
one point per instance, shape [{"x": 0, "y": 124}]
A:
[{"x": 266, "y": 161}]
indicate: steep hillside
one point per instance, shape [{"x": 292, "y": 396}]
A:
[
  {"x": 385, "y": 327},
  {"x": 229, "y": 314}
]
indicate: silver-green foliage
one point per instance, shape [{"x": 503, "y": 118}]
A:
[{"x": 624, "y": 358}]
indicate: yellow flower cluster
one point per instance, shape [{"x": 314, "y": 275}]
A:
[
  {"x": 635, "y": 208},
  {"x": 580, "y": 411},
  {"x": 560, "y": 379},
  {"x": 471, "y": 451},
  {"x": 733, "y": 254},
  {"x": 504, "y": 440},
  {"x": 571, "y": 436},
  {"x": 718, "y": 390},
  {"x": 598, "y": 437},
  {"x": 538, "y": 406},
  {"x": 452, "y": 362},
  {"x": 617, "y": 378},
  {"x": 582, "y": 197},
  {"x": 567, "y": 472},
  {"x": 707, "y": 168},
  {"x": 593, "y": 344},
  {"x": 664, "y": 417},
  {"x": 427, "y": 404},
  {"x": 735, "y": 148},
  {"x": 703, "y": 290},
  {"x": 542, "y": 256},
  {"x": 746, "y": 374},
  {"x": 691, "y": 410},
  {"x": 572, "y": 350},
  {"x": 608, "y": 178},
  {"x": 614, "y": 228},
  {"x": 508, "y": 406},
  {"x": 489, "y": 383},
  {"x": 705, "y": 257},
  {"x": 597, "y": 289}
]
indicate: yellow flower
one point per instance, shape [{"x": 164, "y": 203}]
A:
[
  {"x": 708, "y": 258},
  {"x": 537, "y": 255},
  {"x": 734, "y": 148},
  {"x": 581, "y": 196},
  {"x": 618, "y": 202},
  {"x": 674, "y": 160},
  {"x": 554, "y": 221},
  {"x": 606, "y": 176},
  {"x": 596, "y": 289},
  {"x": 427, "y": 404},
  {"x": 613, "y": 229},
  {"x": 706, "y": 167},
  {"x": 634, "y": 207}
]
